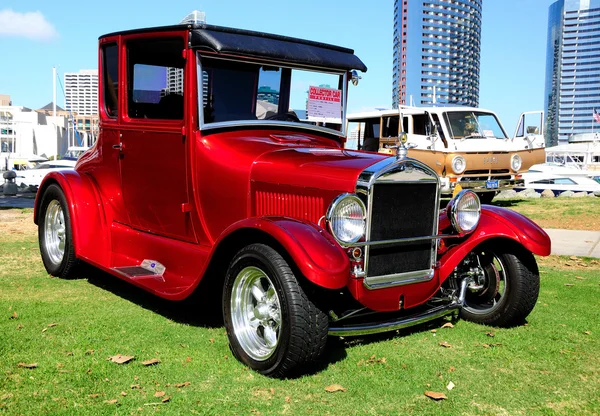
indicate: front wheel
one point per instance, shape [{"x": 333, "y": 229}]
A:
[
  {"x": 271, "y": 324},
  {"x": 506, "y": 288},
  {"x": 54, "y": 233}
]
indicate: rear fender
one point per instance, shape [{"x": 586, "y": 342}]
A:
[
  {"x": 87, "y": 217},
  {"x": 314, "y": 251},
  {"x": 496, "y": 222}
]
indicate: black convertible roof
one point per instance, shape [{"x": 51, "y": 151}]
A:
[{"x": 230, "y": 41}]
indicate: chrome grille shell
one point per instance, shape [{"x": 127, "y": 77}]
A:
[{"x": 398, "y": 171}]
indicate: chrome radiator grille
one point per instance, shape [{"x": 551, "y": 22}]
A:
[{"x": 401, "y": 210}]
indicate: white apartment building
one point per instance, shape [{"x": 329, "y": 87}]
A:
[{"x": 81, "y": 92}]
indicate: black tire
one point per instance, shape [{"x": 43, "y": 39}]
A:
[
  {"x": 60, "y": 266},
  {"x": 486, "y": 197},
  {"x": 518, "y": 269},
  {"x": 302, "y": 333}
]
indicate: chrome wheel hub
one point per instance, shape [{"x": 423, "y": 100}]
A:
[
  {"x": 255, "y": 313},
  {"x": 55, "y": 232},
  {"x": 489, "y": 288}
]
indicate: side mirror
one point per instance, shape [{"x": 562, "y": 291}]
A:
[{"x": 354, "y": 77}]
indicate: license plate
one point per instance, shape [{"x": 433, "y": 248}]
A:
[{"x": 491, "y": 184}]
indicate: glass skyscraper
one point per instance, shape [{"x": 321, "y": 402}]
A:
[
  {"x": 436, "y": 52},
  {"x": 572, "y": 90}
]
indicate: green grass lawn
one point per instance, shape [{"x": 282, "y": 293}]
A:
[
  {"x": 69, "y": 328},
  {"x": 565, "y": 213}
]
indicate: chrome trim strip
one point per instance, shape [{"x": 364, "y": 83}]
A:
[
  {"x": 480, "y": 185},
  {"x": 404, "y": 240},
  {"x": 377, "y": 282},
  {"x": 268, "y": 123},
  {"x": 405, "y": 322}
]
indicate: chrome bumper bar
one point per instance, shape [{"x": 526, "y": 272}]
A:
[
  {"x": 374, "y": 328},
  {"x": 503, "y": 184}
]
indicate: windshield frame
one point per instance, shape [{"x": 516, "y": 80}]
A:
[
  {"x": 479, "y": 131},
  {"x": 268, "y": 123}
]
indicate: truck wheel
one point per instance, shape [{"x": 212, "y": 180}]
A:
[
  {"x": 271, "y": 324},
  {"x": 508, "y": 289},
  {"x": 54, "y": 233}
]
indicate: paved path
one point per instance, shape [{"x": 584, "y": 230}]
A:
[
  {"x": 575, "y": 243},
  {"x": 564, "y": 242},
  {"x": 17, "y": 201}
]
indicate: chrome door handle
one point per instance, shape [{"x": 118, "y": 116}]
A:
[{"x": 118, "y": 146}]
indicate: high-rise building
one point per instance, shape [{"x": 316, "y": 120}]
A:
[
  {"x": 572, "y": 90},
  {"x": 436, "y": 52},
  {"x": 81, "y": 92}
]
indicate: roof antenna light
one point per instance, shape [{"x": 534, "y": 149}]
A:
[{"x": 194, "y": 18}]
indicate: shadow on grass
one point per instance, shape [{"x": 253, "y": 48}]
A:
[
  {"x": 204, "y": 311},
  {"x": 198, "y": 310}
]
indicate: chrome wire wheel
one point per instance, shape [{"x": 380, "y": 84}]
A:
[
  {"x": 255, "y": 313},
  {"x": 492, "y": 286},
  {"x": 55, "y": 232}
]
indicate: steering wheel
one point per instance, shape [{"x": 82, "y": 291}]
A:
[{"x": 284, "y": 117}]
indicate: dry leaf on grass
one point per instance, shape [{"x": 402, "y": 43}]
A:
[
  {"x": 52, "y": 324},
  {"x": 451, "y": 369},
  {"x": 123, "y": 394},
  {"x": 588, "y": 332},
  {"x": 135, "y": 386},
  {"x": 579, "y": 278},
  {"x": 569, "y": 284},
  {"x": 153, "y": 361},
  {"x": 335, "y": 388},
  {"x": 490, "y": 334},
  {"x": 445, "y": 344},
  {"x": 166, "y": 399},
  {"x": 435, "y": 395},
  {"x": 121, "y": 359},
  {"x": 15, "y": 315},
  {"x": 114, "y": 401},
  {"x": 159, "y": 394},
  {"x": 89, "y": 352},
  {"x": 23, "y": 365},
  {"x": 179, "y": 385},
  {"x": 211, "y": 340},
  {"x": 94, "y": 395},
  {"x": 448, "y": 325}
]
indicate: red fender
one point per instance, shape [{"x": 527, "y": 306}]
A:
[
  {"x": 497, "y": 222},
  {"x": 87, "y": 217},
  {"x": 318, "y": 256}
]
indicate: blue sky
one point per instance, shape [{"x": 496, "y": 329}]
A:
[{"x": 37, "y": 35}]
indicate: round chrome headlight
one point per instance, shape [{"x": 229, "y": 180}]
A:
[
  {"x": 515, "y": 162},
  {"x": 459, "y": 164},
  {"x": 464, "y": 211},
  {"x": 346, "y": 218}
]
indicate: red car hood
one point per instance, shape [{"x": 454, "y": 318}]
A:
[{"x": 323, "y": 168}]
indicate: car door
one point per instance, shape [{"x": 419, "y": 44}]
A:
[{"x": 153, "y": 149}]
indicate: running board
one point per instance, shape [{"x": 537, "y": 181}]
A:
[{"x": 148, "y": 269}]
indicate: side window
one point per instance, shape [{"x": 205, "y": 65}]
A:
[
  {"x": 155, "y": 70},
  {"x": 111, "y": 79},
  {"x": 419, "y": 124}
]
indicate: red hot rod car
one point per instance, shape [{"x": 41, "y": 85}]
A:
[{"x": 220, "y": 156}]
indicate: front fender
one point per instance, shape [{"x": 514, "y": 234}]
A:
[
  {"x": 87, "y": 219},
  {"x": 318, "y": 256},
  {"x": 496, "y": 222}
]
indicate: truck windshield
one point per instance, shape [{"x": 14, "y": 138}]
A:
[
  {"x": 240, "y": 92},
  {"x": 473, "y": 125}
]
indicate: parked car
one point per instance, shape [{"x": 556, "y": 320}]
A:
[
  {"x": 304, "y": 238},
  {"x": 34, "y": 176},
  {"x": 467, "y": 147}
]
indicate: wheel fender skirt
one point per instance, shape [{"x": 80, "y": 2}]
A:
[
  {"x": 314, "y": 251},
  {"x": 497, "y": 222},
  {"x": 85, "y": 210}
]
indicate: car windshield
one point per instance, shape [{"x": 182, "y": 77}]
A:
[
  {"x": 242, "y": 92},
  {"x": 473, "y": 125}
]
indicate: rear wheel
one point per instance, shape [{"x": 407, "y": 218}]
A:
[
  {"x": 54, "y": 233},
  {"x": 506, "y": 289},
  {"x": 271, "y": 324}
]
